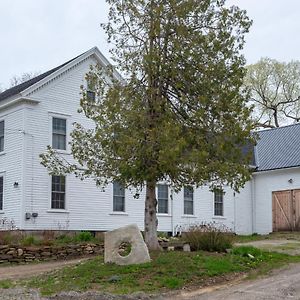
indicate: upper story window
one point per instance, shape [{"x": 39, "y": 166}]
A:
[
  {"x": 162, "y": 199},
  {"x": 219, "y": 202},
  {"x": 188, "y": 196},
  {"x": 1, "y": 192},
  {"x": 90, "y": 91},
  {"x": 1, "y": 136},
  {"x": 59, "y": 133},
  {"x": 118, "y": 197},
  {"x": 58, "y": 192}
]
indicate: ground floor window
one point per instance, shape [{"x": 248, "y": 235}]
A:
[
  {"x": 188, "y": 192},
  {"x": 118, "y": 197},
  {"x": 162, "y": 198},
  {"x": 219, "y": 202},
  {"x": 58, "y": 195}
]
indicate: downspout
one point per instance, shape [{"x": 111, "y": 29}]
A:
[
  {"x": 234, "y": 213},
  {"x": 253, "y": 204},
  {"x": 172, "y": 212}
]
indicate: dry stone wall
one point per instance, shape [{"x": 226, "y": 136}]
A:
[{"x": 18, "y": 254}]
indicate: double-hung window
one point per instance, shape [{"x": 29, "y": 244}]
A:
[
  {"x": 162, "y": 198},
  {"x": 219, "y": 202},
  {"x": 59, "y": 133},
  {"x": 1, "y": 136},
  {"x": 58, "y": 194},
  {"x": 188, "y": 192},
  {"x": 118, "y": 197},
  {"x": 90, "y": 91},
  {"x": 1, "y": 192}
]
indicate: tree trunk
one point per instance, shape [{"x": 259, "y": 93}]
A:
[{"x": 150, "y": 221}]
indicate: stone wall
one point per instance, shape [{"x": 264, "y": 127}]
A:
[{"x": 21, "y": 254}]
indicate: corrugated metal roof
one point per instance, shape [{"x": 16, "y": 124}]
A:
[{"x": 278, "y": 148}]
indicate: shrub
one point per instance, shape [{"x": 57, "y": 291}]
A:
[
  {"x": 30, "y": 240},
  {"x": 209, "y": 237},
  {"x": 84, "y": 236}
]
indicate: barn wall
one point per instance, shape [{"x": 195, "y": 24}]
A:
[{"x": 265, "y": 184}]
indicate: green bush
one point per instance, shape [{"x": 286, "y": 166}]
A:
[
  {"x": 209, "y": 237},
  {"x": 84, "y": 236},
  {"x": 30, "y": 240}
]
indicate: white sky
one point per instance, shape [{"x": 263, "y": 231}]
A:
[{"x": 37, "y": 35}]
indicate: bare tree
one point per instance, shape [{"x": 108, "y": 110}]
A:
[
  {"x": 15, "y": 80},
  {"x": 275, "y": 92}
]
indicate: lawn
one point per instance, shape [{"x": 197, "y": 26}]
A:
[{"x": 167, "y": 271}]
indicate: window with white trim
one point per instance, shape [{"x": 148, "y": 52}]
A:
[
  {"x": 162, "y": 199},
  {"x": 188, "y": 196},
  {"x": 219, "y": 202},
  {"x": 118, "y": 197},
  {"x": 1, "y": 192},
  {"x": 90, "y": 91},
  {"x": 59, "y": 133},
  {"x": 1, "y": 136},
  {"x": 58, "y": 192}
]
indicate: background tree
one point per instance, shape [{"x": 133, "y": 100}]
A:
[
  {"x": 179, "y": 115},
  {"x": 16, "y": 80},
  {"x": 275, "y": 91}
]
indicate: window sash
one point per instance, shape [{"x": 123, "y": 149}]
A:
[
  {"x": 188, "y": 200},
  {"x": 162, "y": 199},
  {"x": 58, "y": 195},
  {"x": 1, "y": 136},
  {"x": 1, "y": 192},
  {"x": 59, "y": 133},
  {"x": 118, "y": 197},
  {"x": 218, "y": 203}
]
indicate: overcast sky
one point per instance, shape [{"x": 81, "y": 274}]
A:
[{"x": 37, "y": 35}]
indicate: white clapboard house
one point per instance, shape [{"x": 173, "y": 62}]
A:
[{"x": 41, "y": 111}]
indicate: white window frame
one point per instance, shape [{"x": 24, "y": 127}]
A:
[
  {"x": 221, "y": 191},
  {"x": 56, "y": 210},
  {"x": 193, "y": 201},
  {"x": 66, "y": 117},
  {"x": 168, "y": 204},
  {"x": 2, "y": 151},
  {"x": 118, "y": 211}
]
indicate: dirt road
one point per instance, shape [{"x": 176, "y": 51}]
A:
[
  {"x": 25, "y": 271},
  {"x": 281, "y": 284}
]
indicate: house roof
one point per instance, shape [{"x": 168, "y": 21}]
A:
[
  {"x": 278, "y": 148},
  {"x": 24, "y": 85}
]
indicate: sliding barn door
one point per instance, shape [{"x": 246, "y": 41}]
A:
[{"x": 286, "y": 210}]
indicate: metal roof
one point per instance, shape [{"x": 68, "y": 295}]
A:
[{"x": 278, "y": 148}]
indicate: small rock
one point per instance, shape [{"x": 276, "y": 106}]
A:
[
  {"x": 251, "y": 256},
  {"x": 186, "y": 248},
  {"x": 171, "y": 248},
  {"x": 114, "y": 278},
  {"x": 20, "y": 252}
]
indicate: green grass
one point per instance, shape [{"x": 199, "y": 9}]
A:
[{"x": 167, "y": 271}]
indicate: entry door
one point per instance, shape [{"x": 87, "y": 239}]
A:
[{"x": 286, "y": 210}]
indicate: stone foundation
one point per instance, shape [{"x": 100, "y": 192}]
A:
[{"x": 20, "y": 254}]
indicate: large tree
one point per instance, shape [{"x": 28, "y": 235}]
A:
[
  {"x": 179, "y": 115},
  {"x": 275, "y": 91}
]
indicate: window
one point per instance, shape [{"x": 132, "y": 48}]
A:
[
  {"x": 58, "y": 196},
  {"x": 162, "y": 198},
  {"x": 1, "y": 193},
  {"x": 59, "y": 129},
  {"x": 219, "y": 202},
  {"x": 90, "y": 91},
  {"x": 1, "y": 136},
  {"x": 118, "y": 197},
  {"x": 188, "y": 192}
]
